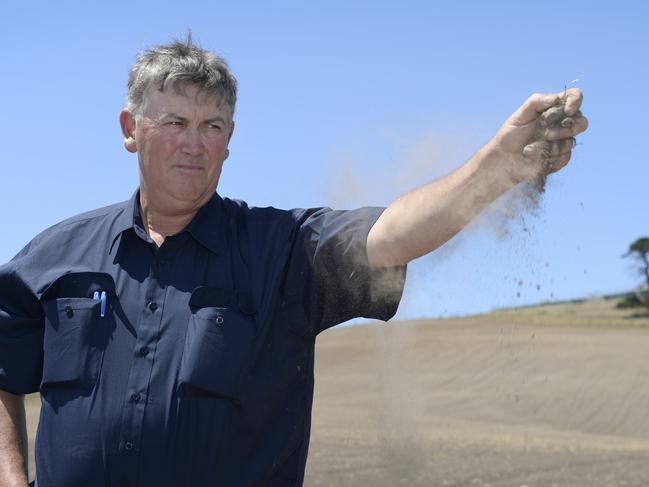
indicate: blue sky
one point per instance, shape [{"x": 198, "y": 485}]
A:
[{"x": 352, "y": 103}]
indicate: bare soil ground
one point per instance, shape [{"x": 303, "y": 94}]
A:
[{"x": 548, "y": 396}]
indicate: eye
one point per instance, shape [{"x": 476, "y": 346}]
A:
[
  {"x": 172, "y": 123},
  {"x": 214, "y": 126}
]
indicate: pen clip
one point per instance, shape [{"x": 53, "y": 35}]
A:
[{"x": 103, "y": 304}]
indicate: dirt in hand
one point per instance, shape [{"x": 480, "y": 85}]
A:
[{"x": 552, "y": 118}]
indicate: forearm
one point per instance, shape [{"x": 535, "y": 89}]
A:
[
  {"x": 13, "y": 440},
  {"x": 424, "y": 219}
]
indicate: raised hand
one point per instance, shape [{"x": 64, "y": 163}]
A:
[{"x": 538, "y": 138}]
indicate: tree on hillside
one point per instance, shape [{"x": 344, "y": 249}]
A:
[{"x": 639, "y": 250}]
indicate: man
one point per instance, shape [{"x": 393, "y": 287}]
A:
[{"x": 172, "y": 336}]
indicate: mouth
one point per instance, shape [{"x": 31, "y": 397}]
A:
[{"x": 189, "y": 168}]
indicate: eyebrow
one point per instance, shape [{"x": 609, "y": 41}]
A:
[
  {"x": 216, "y": 119},
  {"x": 183, "y": 119}
]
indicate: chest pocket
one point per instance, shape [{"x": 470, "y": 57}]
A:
[
  {"x": 219, "y": 343},
  {"x": 76, "y": 334}
]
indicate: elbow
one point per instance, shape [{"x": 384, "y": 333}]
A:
[{"x": 381, "y": 252}]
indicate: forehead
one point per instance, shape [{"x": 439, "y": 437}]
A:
[{"x": 187, "y": 101}]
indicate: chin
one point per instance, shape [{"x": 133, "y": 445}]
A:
[{"x": 190, "y": 195}]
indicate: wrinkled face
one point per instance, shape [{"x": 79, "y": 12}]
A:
[{"x": 181, "y": 141}]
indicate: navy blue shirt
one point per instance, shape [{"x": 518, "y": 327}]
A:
[{"x": 197, "y": 369}]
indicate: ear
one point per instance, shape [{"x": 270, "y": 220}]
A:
[
  {"x": 231, "y": 130},
  {"x": 127, "y": 123}
]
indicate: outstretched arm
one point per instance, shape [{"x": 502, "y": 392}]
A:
[
  {"x": 13, "y": 440},
  {"x": 534, "y": 141}
]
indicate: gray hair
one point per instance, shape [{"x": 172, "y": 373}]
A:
[{"x": 178, "y": 65}]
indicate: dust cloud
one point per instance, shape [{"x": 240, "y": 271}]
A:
[{"x": 357, "y": 180}]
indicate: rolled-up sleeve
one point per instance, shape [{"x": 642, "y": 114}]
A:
[
  {"x": 341, "y": 284},
  {"x": 21, "y": 332}
]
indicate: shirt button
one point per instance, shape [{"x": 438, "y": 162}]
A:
[
  {"x": 143, "y": 352},
  {"x": 153, "y": 306},
  {"x": 128, "y": 446},
  {"x": 135, "y": 398}
]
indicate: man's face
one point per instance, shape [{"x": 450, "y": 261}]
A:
[{"x": 181, "y": 141}]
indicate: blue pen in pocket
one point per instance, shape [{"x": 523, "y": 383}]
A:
[
  {"x": 103, "y": 299},
  {"x": 103, "y": 304}
]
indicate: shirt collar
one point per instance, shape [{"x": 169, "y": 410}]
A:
[
  {"x": 205, "y": 227},
  {"x": 126, "y": 219}
]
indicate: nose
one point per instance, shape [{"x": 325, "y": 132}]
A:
[{"x": 192, "y": 143}]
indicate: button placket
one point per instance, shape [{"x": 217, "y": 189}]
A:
[{"x": 138, "y": 383}]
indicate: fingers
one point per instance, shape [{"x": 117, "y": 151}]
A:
[
  {"x": 553, "y": 155},
  {"x": 550, "y": 156},
  {"x": 552, "y": 115},
  {"x": 549, "y": 150},
  {"x": 557, "y": 163},
  {"x": 573, "y": 99},
  {"x": 570, "y": 127},
  {"x": 532, "y": 108},
  {"x": 540, "y": 104},
  {"x": 570, "y": 121}
]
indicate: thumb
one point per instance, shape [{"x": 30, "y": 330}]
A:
[{"x": 532, "y": 108}]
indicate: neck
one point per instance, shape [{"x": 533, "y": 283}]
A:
[{"x": 160, "y": 223}]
